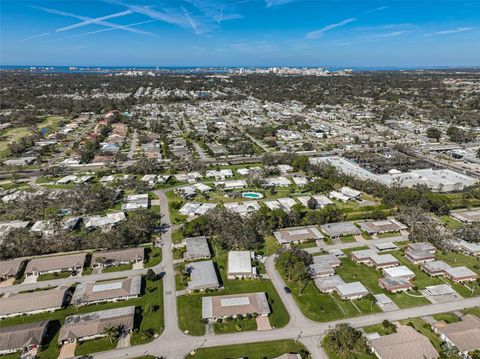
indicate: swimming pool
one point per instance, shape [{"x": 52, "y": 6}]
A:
[{"x": 255, "y": 195}]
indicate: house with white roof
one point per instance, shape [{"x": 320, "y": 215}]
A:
[{"x": 240, "y": 265}]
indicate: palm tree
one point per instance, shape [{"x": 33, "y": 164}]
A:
[{"x": 110, "y": 332}]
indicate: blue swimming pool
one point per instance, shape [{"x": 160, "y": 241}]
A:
[{"x": 254, "y": 195}]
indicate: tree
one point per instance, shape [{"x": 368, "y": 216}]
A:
[
  {"x": 469, "y": 232},
  {"x": 151, "y": 276},
  {"x": 111, "y": 333},
  {"x": 312, "y": 203},
  {"x": 293, "y": 263},
  {"x": 435, "y": 133},
  {"x": 344, "y": 340}
]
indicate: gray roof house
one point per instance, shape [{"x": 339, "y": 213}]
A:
[
  {"x": 237, "y": 304},
  {"x": 202, "y": 276},
  {"x": 14, "y": 304},
  {"x": 10, "y": 267},
  {"x": 339, "y": 229},
  {"x": 111, "y": 291},
  {"x": 92, "y": 325},
  {"x": 116, "y": 257},
  {"x": 197, "y": 248},
  {"x": 23, "y": 336},
  {"x": 70, "y": 262}
]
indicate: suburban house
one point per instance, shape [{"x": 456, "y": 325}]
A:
[
  {"x": 23, "y": 337},
  {"x": 460, "y": 274},
  {"x": 196, "y": 209},
  {"x": 297, "y": 235},
  {"x": 110, "y": 291},
  {"x": 240, "y": 265},
  {"x": 421, "y": 246},
  {"x": 395, "y": 284},
  {"x": 105, "y": 223},
  {"x": 321, "y": 199},
  {"x": 346, "y": 291},
  {"x": 464, "y": 335},
  {"x": 92, "y": 325},
  {"x": 398, "y": 272},
  {"x": 15, "y": 304},
  {"x": 383, "y": 226},
  {"x": 136, "y": 201},
  {"x": 284, "y": 204},
  {"x": 457, "y": 274},
  {"x": 405, "y": 343},
  {"x": 242, "y": 208},
  {"x": 67, "y": 263},
  {"x": 372, "y": 259},
  {"x": 418, "y": 257},
  {"x": 197, "y": 248},
  {"x": 276, "y": 182},
  {"x": 117, "y": 257},
  {"x": 340, "y": 229},
  {"x": 234, "y": 305},
  {"x": 467, "y": 216},
  {"x": 10, "y": 268},
  {"x": 470, "y": 248},
  {"x": 230, "y": 185},
  {"x": 323, "y": 266},
  {"x": 202, "y": 276}
]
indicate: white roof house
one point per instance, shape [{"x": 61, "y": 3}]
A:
[
  {"x": 242, "y": 208},
  {"x": 398, "y": 272},
  {"x": 240, "y": 264},
  {"x": 193, "y": 208},
  {"x": 282, "y": 203},
  {"x": 276, "y": 181},
  {"x": 234, "y": 184}
]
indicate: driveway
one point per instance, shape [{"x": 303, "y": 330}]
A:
[{"x": 67, "y": 350}]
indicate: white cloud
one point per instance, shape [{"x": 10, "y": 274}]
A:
[
  {"x": 35, "y": 36},
  {"x": 92, "y": 20},
  {"x": 451, "y": 31},
  {"x": 273, "y": 3},
  {"x": 377, "y": 9},
  {"x": 317, "y": 33},
  {"x": 111, "y": 28}
]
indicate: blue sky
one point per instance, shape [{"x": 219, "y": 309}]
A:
[{"x": 388, "y": 33}]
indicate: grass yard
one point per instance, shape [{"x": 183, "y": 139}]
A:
[
  {"x": 270, "y": 246},
  {"x": 449, "y": 222},
  {"x": 251, "y": 351},
  {"x": 380, "y": 329},
  {"x": 235, "y": 325},
  {"x": 389, "y": 235},
  {"x": 118, "y": 268},
  {"x": 447, "y": 317},
  {"x": 153, "y": 255},
  {"x": 347, "y": 239},
  {"x": 9, "y": 135},
  {"x": 94, "y": 346},
  {"x": 475, "y": 311},
  {"x": 153, "y": 297},
  {"x": 51, "y": 276}
]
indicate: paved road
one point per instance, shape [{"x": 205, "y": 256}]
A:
[
  {"x": 201, "y": 153},
  {"x": 133, "y": 145}
]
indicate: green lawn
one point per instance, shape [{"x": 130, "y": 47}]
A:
[
  {"x": 251, "y": 351},
  {"x": 388, "y": 235},
  {"x": 9, "y": 135},
  {"x": 94, "y": 346},
  {"x": 347, "y": 239},
  {"x": 153, "y": 297},
  {"x": 51, "y": 276},
  {"x": 235, "y": 325},
  {"x": 475, "y": 311},
  {"x": 449, "y": 222},
  {"x": 118, "y": 268},
  {"x": 379, "y": 328},
  {"x": 447, "y": 317},
  {"x": 153, "y": 255},
  {"x": 270, "y": 246}
]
